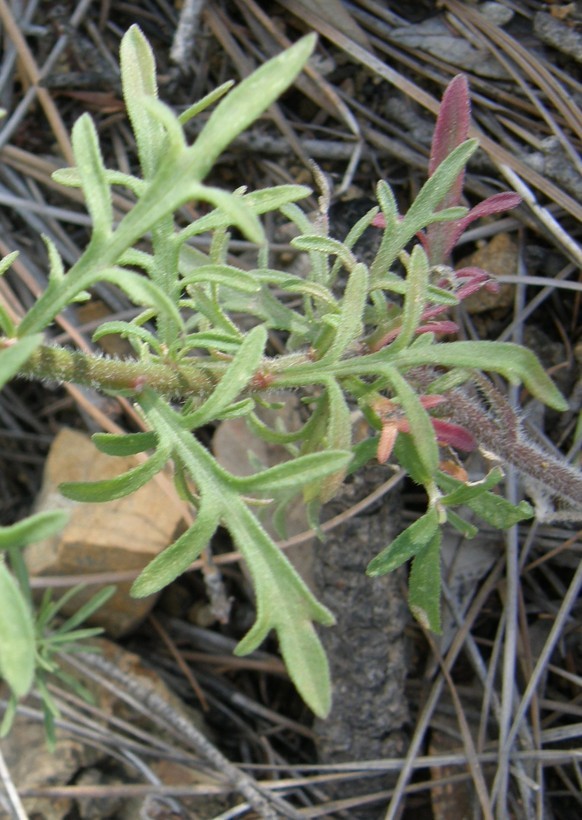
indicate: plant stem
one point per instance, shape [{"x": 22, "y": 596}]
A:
[{"x": 167, "y": 378}]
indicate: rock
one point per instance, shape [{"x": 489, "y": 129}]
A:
[
  {"x": 367, "y": 647},
  {"x": 498, "y": 257},
  {"x": 107, "y": 537},
  {"x": 33, "y": 765}
]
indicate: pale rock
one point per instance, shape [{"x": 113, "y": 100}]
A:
[
  {"x": 32, "y": 765},
  {"x": 113, "y": 536}
]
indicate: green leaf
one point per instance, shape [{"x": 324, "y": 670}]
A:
[
  {"x": 350, "y": 319},
  {"x": 12, "y": 358},
  {"x": 7, "y": 261},
  {"x": 176, "y": 559},
  {"x": 111, "y": 488},
  {"x": 421, "y": 429},
  {"x": 56, "y": 267},
  {"x": 326, "y": 246},
  {"x": 294, "y": 474},
  {"x": 34, "y": 528},
  {"x": 17, "y": 639},
  {"x": 260, "y": 202},
  {"x": 468, "y": 491},
  {"x": 339, "y": 437},
  {"x": 415, "y": 300},
  {"x": 515, "y": 363},
  {"x": 206, "y": 101},
  {"x": 127, "y": 330},
  {"x": 93, "y": 179},
  {"x": 141, "y": 292},
  {"x": 138, "y": 78},
  {"x": 492, "y": 508},
  {"x": 236, "y": 378},
  {"x": 464, "y": 527},
  {"x": 245, "y": 104},
  {"x": 408, "y": 544},
  {"x": 436, "y": 187},
  {"x": 226, "y": 275},
  {"x": 174, "y": 139},
  {"x": 126, "y": 444},
  {"x": 424, "y": 585},
  {"x": 84, "y": 612},
  {"x": 285, "y": 604}
]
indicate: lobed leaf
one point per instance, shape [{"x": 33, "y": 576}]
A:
[{"x": 93, "y": 177}]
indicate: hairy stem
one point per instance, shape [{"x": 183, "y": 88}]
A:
[
  {"x": 502, "y": 434},
  {"x": 166, "y": 378}
]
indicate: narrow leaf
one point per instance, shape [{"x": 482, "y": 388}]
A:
[
  {"x": 138, "y": 78},
  {"x": 408, "y": 544},
  {"x": 466, "y": 492},
  {"x": 234, "y": 381},
  {"x": 126, "y": 444},
  {"x": 415, "y": 300},
  {"x": 421, "y": 428},
  {"x": 206, "y": 101},
  {"x": 226, "y": 275},
  {"x": 176, "y": 559},
  {"x": 516, "y": 363},
  {"x": 435, "y": 189},
  {"x": 111, "y": 488},
  {"x": 424, "y": 585},
  {"x": 93, "y": 178},
  {"x": 350, "y": 320},
  {"x": 246, "y": 103},
  {"x": 327, "y": 246},
  {"x": 34, "y": 528},
  {"x": 294, "y": 474}
]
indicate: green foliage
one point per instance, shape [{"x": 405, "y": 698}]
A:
[
  {"x": 203, "y": 339},
  {"x": 29, "y": 642}
]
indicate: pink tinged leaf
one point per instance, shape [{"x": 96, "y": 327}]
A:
[
  {"x": 447, "y": 433},
  {"x": 451, "y": 130},
  {"x": 454, "y": 435},
  {"x": 452, "y": 125},
  {"x": 444, "y": 327},
  {"x": 428, "y": 402},
  {"x": 387, "y": 442},
  {"x": 496, "y": 204}
]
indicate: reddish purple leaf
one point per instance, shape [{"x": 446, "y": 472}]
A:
[
  {"x": 445, "y": 326},
  {"x": 453, "y": 434},
  {"x": 495, "y": 204},
  {"x": 452, "y": 125},
  {"x": 451, "y": 130}
]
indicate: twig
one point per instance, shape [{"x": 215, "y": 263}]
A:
[
  {"x": 267, "y": 805},
  {"x": 11, "y": 791}
]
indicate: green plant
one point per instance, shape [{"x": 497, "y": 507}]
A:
[{"x": 202, "y": 351}]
